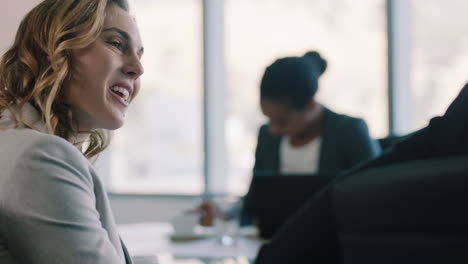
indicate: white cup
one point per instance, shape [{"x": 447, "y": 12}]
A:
[{"x": 184, "y": 224}]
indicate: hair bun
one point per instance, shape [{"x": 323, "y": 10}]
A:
[{"x": 317, "y": 60}]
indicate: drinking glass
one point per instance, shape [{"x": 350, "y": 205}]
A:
[{"x": 227, "y": 219}]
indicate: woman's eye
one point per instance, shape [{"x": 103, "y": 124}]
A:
[{"x": 116, "y": 44}]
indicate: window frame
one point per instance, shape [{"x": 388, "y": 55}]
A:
[{"x": 398, "y": 14}]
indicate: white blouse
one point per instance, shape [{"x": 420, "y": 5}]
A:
[{"x": 299, "y": 160}]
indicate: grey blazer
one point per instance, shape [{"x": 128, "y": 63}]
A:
[{"x": 53, "y": 206}]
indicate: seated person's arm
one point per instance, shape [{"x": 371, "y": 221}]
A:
[
  {"x": 444, "y": 136},
  {"x": 311, "y": 235}
]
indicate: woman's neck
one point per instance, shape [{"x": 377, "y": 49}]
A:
[
  {"x": 79, "y": 139},
  {"x": 312, "y": 130}
]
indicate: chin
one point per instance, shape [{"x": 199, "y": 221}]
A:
[{"x": 113, "y": 124}]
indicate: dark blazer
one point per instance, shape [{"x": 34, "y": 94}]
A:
[
  {"x": 345, "y": 144},
  {"x": 311, "y": 234}
]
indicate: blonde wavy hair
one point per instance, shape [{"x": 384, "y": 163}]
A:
[{"x": 39, "y": 61}]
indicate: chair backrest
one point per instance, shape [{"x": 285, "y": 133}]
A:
[
  {"x": 275, "y": 198},
  {"x": 387, "y": 142},
  {"x": 414, "y": 212}
]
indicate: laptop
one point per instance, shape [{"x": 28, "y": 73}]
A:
[{"x": 277, "y": 197}]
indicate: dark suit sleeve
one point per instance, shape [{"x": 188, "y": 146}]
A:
[
  {"x": 260, "y": 149},
  {"x": 247, "y": 214},
  {"x": 444, "y": 136},
  {"x": 311, "y": 234},
  {"x": 357, "y": 144}
]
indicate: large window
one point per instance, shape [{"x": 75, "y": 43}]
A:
[
  {"x": 440, "y": 56},
  {"x": 350, "y": 34},
  {"x": 160, "y": 148}
]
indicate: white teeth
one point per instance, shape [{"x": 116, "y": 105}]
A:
[{"x": 122, "y": 92}]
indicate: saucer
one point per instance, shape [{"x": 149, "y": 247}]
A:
[{"x": 199, "y": 232}]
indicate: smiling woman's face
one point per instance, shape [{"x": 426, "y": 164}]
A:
[{"x": 106, "y": 74}]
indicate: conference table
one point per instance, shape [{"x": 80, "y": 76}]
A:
[{"x": 154, "y": 243}]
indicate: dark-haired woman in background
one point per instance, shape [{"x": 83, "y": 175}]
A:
[{"x": 302, "y": 136}]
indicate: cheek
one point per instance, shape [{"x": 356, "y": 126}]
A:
[
  {"x": 71, "y": 89},
  {"x": 98, "y": 69},
  {"x": 137, "y": 88},
  {"x": 94, "y": 64}
]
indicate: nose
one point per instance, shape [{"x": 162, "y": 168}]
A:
[{"x": 133, "y": 67}]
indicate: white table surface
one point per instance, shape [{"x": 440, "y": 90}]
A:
[{"x": 154, "y": 238}]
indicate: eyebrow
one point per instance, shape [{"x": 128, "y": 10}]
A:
[{"x": 124, "y": 35}]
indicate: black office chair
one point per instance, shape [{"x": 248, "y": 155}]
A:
[
  {"x": 387, "y": 142},
  {"x": 414, "y": 212}
]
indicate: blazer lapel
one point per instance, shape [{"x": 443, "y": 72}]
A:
[
  {"x": 327, "y": 146},
  {"x": 128, "y": 259}
]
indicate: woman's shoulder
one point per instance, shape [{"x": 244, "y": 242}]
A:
[
  {"x": 264, "y": 128},
  {"x": 20, "y": 144},
  {"x": 26, "y": 136},
  {"x": 264, "y": 133},
  {"x": 30, "y": 158},
  {"x": 343, "y": 120}
]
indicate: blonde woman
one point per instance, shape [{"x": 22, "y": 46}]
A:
[{"x": 71, "y": 73}]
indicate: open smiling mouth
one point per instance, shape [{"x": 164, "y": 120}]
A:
[{"x": 121, "y": 92}]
